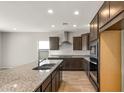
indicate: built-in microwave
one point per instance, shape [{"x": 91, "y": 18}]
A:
[{"x": 94, "y": 49}]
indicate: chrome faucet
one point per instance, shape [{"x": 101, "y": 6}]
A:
[{"x": 40, "y": 60}]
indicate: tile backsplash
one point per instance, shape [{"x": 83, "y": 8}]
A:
[{"x": 59, "y": 52}]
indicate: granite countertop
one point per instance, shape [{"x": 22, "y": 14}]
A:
[
  {"x": 68, "y": 56},
  {"x": 23, "y": 78},
  {"x": 86, "y": 57}
]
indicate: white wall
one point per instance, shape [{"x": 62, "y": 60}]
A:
[
  {"x": 21, "y": 47},
  {"x": 0, "y": 49}
]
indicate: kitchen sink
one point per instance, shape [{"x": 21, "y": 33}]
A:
[{"x": 44, "y": 66}]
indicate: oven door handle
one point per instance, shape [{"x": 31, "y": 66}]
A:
[{"x": 93, "y": 62}]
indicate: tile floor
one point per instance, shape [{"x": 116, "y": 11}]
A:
[{"x": 75, "y": 81}]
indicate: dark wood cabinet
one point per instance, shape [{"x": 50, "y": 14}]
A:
[
  {"x": 46, "y": 86},
  {"x": 54, "y": 43},
  {"x": 116, "y": 7},
  {"x": 77, "y": 43},
  {"x": 85, "y": 41},
  {"x": 53, "y": 81},
  {"x": 70, "y": 64},
  {"x": 86, "y": 66},
  {"x": 111, "y": 15},
  {"x": 54, "y": 84},
  {"x": 104, "y": 14},
  {"x": 56, "y": 80},
  {"x": 66, "y": 64},
  {"x": 94, "y": 29}
]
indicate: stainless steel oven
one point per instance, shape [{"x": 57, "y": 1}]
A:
[{"x": 94, "y": 69}]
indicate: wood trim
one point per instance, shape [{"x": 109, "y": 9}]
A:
[
  {"x": 113, "y": 21},
  {"x": 110, "y": 66}
]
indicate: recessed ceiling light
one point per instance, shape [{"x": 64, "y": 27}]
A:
[
  {"x": 74, "y": 25},
  {"x": 76, "y": 12},
  {"x": 53, "y": 26},
  {"x": 50, "y": 11},
  {"x": 14, "y": 28}
]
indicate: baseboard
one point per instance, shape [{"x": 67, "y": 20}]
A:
[{"x": 5, "y": 68}]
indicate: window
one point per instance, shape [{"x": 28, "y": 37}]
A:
[{"x": 44, "y": 45}]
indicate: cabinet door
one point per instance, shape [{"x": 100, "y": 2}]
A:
[
  {"x": 60, "y": 73},
  {"x": 57, "y": 80},
  {"x": 116, "y": 7},
  {"x": 54, "y": 43},
  {"x": 76, "y": 64},
  {"x": 72, "y": 64},
  {"x": 104, "y": 14},
  {"x": 94, "y": 29},
  {"x": 48, "y": 88},
  {"x": 66, "y": 64},
  {"x": 86, "y": 66},
  {"x": 54, "y": 84},
  {"x": 77, "y": 43},
  {"x": 91, "y": 31},
  {"x": 85, "y": 41}
]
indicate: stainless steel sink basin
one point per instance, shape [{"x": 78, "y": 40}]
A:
[{"x": 44, "y": 67}]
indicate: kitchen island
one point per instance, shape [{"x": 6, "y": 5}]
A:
[{"x": 24, "y": 79}]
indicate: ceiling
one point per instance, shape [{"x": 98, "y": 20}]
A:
[{"x": 33, "y": 16}]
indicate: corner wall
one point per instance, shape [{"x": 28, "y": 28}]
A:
[
  {"x": 122, "y": 47},
  {"x": 0, "y": 49}
]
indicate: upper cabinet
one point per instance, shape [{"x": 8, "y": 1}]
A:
[
  {"x": 94, "y": 29},
  {"x": 77, "y": 43},
  {"x": 104, "y": 14},
  {"x": 116, "y": 7},
  {"x": 110, "y": 13},
  {"x": 54, "y": 43},
  {"x": 85, "y": 41}
]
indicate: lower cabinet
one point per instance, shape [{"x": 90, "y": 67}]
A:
[
  {"x": 73, "y": 64},
  {"x": 52, "y": 83},
  {"x": 55, "y": 82},
  {"x": 86, "y": 66},
  {"x": 48, "y": 88}
]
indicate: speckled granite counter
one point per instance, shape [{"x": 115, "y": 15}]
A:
[
  {"x": 86, "y": 57},
  {"x": 23, "y": 78},
  {"x": 68, "y": 56}
]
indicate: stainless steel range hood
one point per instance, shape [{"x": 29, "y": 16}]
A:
[{"x": 66, "y": 39}]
